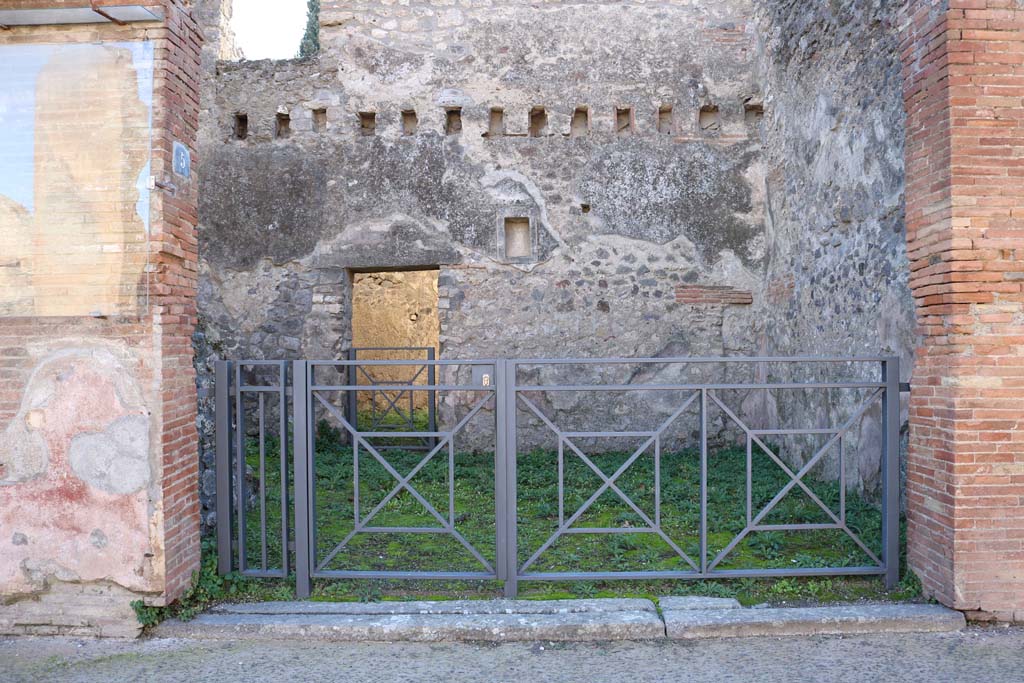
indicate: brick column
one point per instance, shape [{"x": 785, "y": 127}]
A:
[
  {"x": 964, "y": 96},
  {"x": 174, "y": 297}
]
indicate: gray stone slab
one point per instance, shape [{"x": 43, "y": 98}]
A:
[
  {"x": 565, "y": 626},
  {"x": 695, "y": 624},
  {"x": 453, "y": 607},
  {"x": 688, "y": 602}
]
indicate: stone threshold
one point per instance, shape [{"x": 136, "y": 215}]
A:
[{"x": 679, "y": 618}]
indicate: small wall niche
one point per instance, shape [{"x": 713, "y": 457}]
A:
[
  {"x": 282, "y": 126},
  {"x": 624, "y": 121},
  {"x": 710, "y": 120},
  {"x": 665, "y": 121},
  {"x": 753, "y": 113},
  {"x": 453, "y": 121},
  {"x": 240, "y": 127},
  {"x": 580, "y": 125},
  {"x": 367, "y": 123},
  {"x": 518, "y": 240},
  {"x": 496, "y": 123},
  {"x": 319, "y": 120},
  {"x": 538, "y": 122},
  {"x": 410, "y": 122}
]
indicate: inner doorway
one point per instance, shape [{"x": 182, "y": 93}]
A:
[{"x": 394, "y": 318}]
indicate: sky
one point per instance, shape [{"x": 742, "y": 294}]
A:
[{"x": 269, "y": 29}]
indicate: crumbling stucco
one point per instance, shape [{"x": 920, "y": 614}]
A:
[
  {"x": 78, "y": 452},
  {"x": 837, "y": 275}
]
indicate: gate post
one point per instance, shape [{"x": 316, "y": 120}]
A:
[
  {"x": 891, "y": 471},
  {"x": 222, "y": 441},
  {"x": 505, "y": 475},
  {"x": 303, "y": 476}
]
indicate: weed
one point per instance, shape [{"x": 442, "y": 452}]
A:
[{"x": 207, "y": 588}]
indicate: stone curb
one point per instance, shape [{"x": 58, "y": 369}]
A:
[
  {"x": 555, "y": 620},
  {"x": 436, "y": 623},
  {"x": 840, "y": 620},
  {"x": 452, "y": 607}
]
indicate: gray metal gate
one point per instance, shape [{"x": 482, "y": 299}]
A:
[{"x": 270, "y": 415}]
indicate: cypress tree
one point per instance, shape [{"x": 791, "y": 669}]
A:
[{"x": 310, "y": 44}]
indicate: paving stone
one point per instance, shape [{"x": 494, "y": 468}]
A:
[
  {"x": 688, "y": 602},
  {"x": 725, "y": 623}
]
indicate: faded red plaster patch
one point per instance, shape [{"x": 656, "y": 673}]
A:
[{"x": 58, "y": 512}]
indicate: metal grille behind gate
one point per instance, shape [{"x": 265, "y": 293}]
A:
[{"x": 284, "y": 445}]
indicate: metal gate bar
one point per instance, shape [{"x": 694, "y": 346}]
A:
[
  {"x": 314, "y": 395},
  {"x": 391, "y": 407},
  {"x": 232, "y": 484},
  {"x": 500, "y": 379}
]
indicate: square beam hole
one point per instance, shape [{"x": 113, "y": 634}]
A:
[
  {"x": 665, "y": 126},
  {"x": 710, "y": 120},
  {"x": 538, "y": 122},
  {"x": 410, "y": 122},
  {"x": 241, "y": 126},
  {"x": 496, "y": 123},
  {"x": 624, "y": 121},
  {"x": 368, "y": 123},
  {"x": 453, "y": 121},
  {"x": 319, "y": 120},
  {"x": 282, "y": 126},
  {"x": 580, "y": 125}
]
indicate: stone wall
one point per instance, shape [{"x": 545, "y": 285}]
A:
[
  {"x": 697, "y": 178},
  {"x": 837, "y": 275},
  {"x": 421, "y": 148},
  {"x": 98, "y": 503}
]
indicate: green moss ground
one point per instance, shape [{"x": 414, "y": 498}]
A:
[{"x": 538, "y": 519}]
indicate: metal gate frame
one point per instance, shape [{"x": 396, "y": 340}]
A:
[
  {"x": 428, "y": 368},
  {"x": 499, "y": 379}
]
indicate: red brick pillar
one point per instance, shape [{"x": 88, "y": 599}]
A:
[
  {"x": 963, "y": 67},
  {"x": 176, "y": 114},
  {"x": 98, "y": 450}
]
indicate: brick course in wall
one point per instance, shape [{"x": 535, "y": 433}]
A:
[
  {"x": 713, "y": 295},
  {"x": 964, "y": 88}
]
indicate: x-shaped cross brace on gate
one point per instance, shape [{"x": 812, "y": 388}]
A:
[
  {"x": 796, "y": 479},
  {"x": 609, "y": 483},
  {"x": 447, "y": 525}
]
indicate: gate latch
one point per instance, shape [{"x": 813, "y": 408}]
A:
[{"x": 483, "y": 375}]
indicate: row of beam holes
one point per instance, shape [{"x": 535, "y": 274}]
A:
[{"x": 625, "y": 122}]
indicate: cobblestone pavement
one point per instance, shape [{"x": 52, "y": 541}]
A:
[{"x": 990, "y": 654}]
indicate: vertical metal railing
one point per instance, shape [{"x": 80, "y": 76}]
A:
[
  {"x": 236, "y": 402},
  {"x": 891, "y": 471},
  {"x": 301, "y": 451}
]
